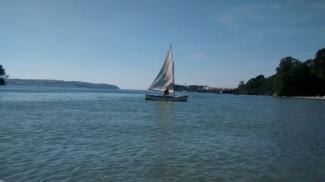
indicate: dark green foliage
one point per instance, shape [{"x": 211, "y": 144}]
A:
[
  {"x": 253, "y": 86},
  {"x": 2, "y": 75},
  {"x": 257, "y": 86},
  {"x": 2, "y": 71},
  {"x": 318, "y": 64},
  {"x": 268, "y": 86},
  {"x": 288, "y": 75},
  {"x": 292, "y": 78}
]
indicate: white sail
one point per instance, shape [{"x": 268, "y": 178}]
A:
[{"x": 165, "y": 78}]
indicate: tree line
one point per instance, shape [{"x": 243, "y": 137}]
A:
[
  {"x": 3, "y": 75},
  {"x": 292, "y": 78}
]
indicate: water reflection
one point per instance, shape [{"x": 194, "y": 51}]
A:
[
  {"x": 163, "y": 113},
  {"x": 164, "y": 140}
]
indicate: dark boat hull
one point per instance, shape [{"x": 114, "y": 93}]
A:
[{"x": 180, "y": 98}]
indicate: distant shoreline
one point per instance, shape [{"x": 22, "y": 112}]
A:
[
  {"x": 310, "y": 97},
  {"x": 59, "y": 83}
]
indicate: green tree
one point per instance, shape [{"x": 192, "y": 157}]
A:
[
  {"x": 284, "y": 81},
  {"x": 2, "y": 75},
  {"x": 318, "y": 65},
  {"x": 267, "y": 87},
  {"x": 254, "y": 85},
  {"x": 317, "y": 71},
  {"x": 292, "y": 78}
]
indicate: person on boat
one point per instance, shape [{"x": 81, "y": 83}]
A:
[{"x": 166, "y": 92}]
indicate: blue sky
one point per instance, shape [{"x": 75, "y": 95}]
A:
[{"x": 124, "y": 42}]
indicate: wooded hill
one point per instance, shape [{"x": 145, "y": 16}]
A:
[{"x": 292, "y": 78}]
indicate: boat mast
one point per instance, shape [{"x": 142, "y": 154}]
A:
[{"x": 171, "y": 51}]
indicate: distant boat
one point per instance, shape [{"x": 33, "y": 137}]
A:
[{"x": 164, "y": 82}]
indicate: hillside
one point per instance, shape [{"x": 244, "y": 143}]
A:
[{"x": 59, "y": 83}]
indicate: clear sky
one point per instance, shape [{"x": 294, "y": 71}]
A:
[{"x": 124, "y": 42}]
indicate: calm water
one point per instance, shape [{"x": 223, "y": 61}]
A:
[{"x": 100, "y": 135}]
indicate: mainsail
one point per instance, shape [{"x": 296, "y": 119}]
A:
[{"x": 165, "y": 78}]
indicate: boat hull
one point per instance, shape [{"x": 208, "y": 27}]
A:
[{"x": 180, "y": 98}]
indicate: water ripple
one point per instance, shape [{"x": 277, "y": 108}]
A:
[{"x": 90, "y": 136}]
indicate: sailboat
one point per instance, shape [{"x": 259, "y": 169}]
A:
[{"x": 164, "y": 82}]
